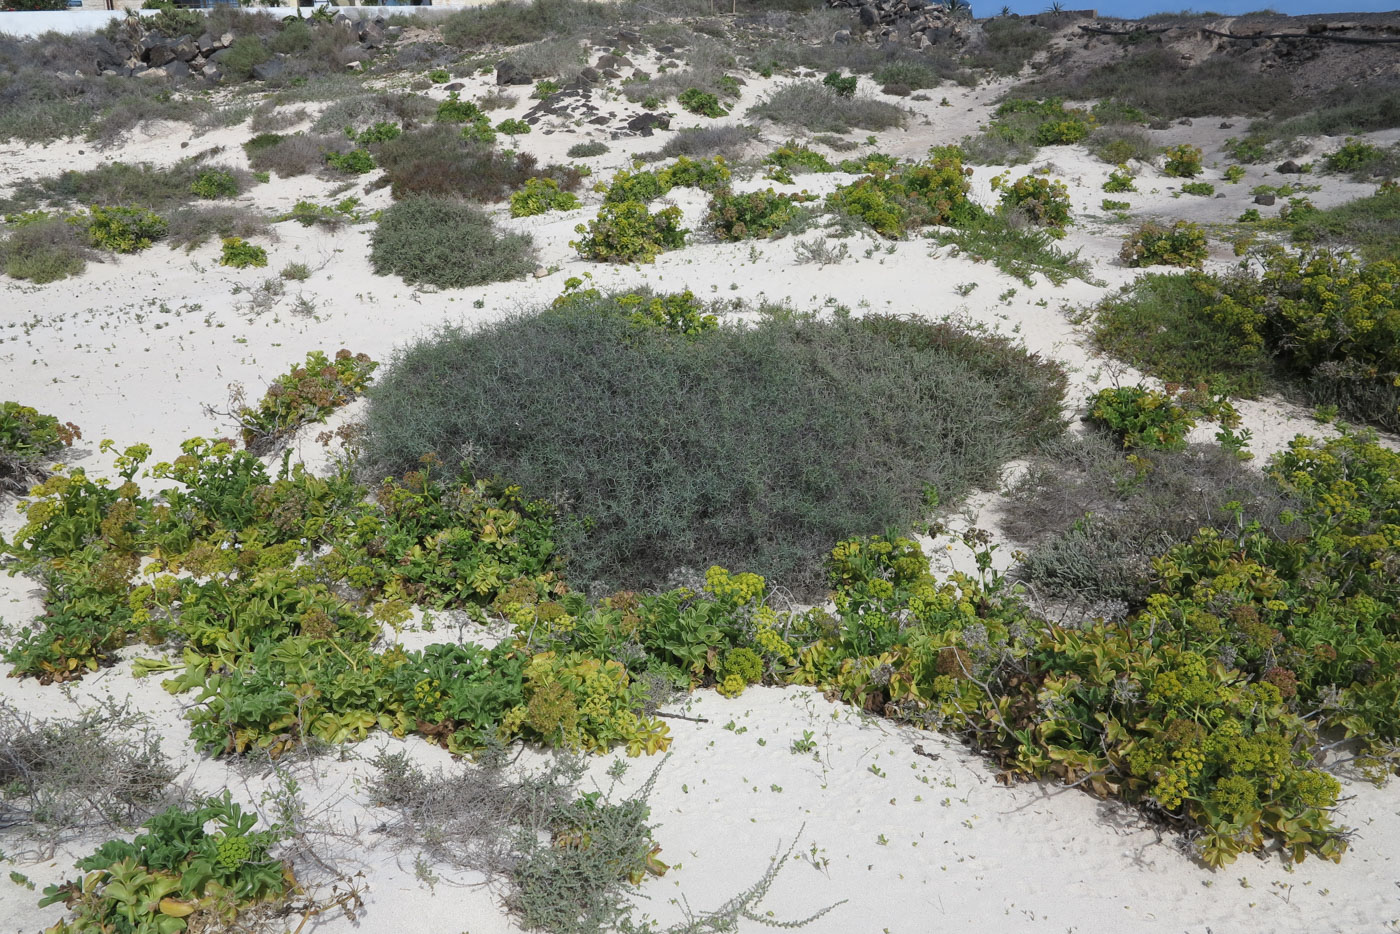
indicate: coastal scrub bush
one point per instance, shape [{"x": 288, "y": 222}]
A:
[
  {"x": 101, "y": 767},
  {"x": 1119, "y": 181},
  {"x": 656, "y": 477},
  {"x": 1165, "y": 325},
  {"x": 447, "y": 244},
  {"x": 1181, "y": 244},
  {"x": 845, "y": 87},
  {"x": 818, "y": 109},
  {"x": 437, "y": 160},
  {"x": 214, "y": 183},
  {"x": 354, "y": 162},
  {"x": 1018, "y": 250},
  {"x": 1140, "y": 417},
  {"x": 705, "y": 174},
  {"x": 627, "y": 232},
  {"x": 1371, "y": 225},
  {"x": 1201, "y": 189},
  {"x": 1353, "y": 156},
  {"x": 584, "y": 150},
  {"x": 791, "y": 158},
  {"x": 1089, "y": 516},
  {"x": 1019, "y": 127},
  {"x": 910, "y": 196}
]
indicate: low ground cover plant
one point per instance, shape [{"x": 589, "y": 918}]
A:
[
  {"x": 42, "y": 247},
  {"x": 1188, "y": 702},
  {"x": 240, "y": 254},
  {"x": 190, "y": 866},
  {"x": 439, "y": 161},
  {"x": 1019, "y": 250},
  {"x": 1020, "y": 126},
  {"x": 1041, "y": 201}
]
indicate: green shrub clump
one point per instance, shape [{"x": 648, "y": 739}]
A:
[
  {"x": 701, "y": 102},
  {"x": 43, "y": 248},
  {"x": 124, "y": 229},
  {"x": 240, "y": 254},
  {"x": 1202, "y": 189},
  {"x": 911, "y": 196},
  {"x": 214, "y": 183},
  {"x": 844, "y": 87},
  {"x": 1119, "y": 181},
  {"x": 1181, "y": 244},
  {"x": 627, "y": 232},
  {"x": 705, "y": 174},
  {"x": 513, "y": 127},
  {"x": 354, "y": 162},
  {"x": 539, "y": 196},
  {"x": 1043, "y": 202},
  {"x": 751, "y": 445},
  {"x": 590, "y": 148},
  {"x": 27, "y": 438},
  {"x": 456, "y": 110},
  {"x": 791, "y": 156},
  {"x": 1353, "y": 155},
  {"x": 753, "y": 214},
  {"x": 1183, "y": 161},
  {"x": 307, "y": 393},
  {"x": 447, "y": 244},
  {"x": 1155, "y": 420},
  {"x": 201, "y": 866}
]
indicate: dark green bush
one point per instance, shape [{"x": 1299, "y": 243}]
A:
[
  {"x": 447, "y": 244},
  {"x": 748, "y": 446}
]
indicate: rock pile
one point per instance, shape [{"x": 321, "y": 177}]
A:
[
  {"x": 917, "y": 23},
  {"x": 140, "y": 51}
]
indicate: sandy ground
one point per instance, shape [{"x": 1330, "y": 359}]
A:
[{"x": 136, "y": 348}]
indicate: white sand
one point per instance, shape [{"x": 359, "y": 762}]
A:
[{"x": 137, "y": 347}]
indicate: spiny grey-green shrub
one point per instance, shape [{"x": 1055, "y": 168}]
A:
[
  {"x": 448, "y": 244},
  {"x": 746, "y": 446},
  {"x": 1092, "y": 519}
]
